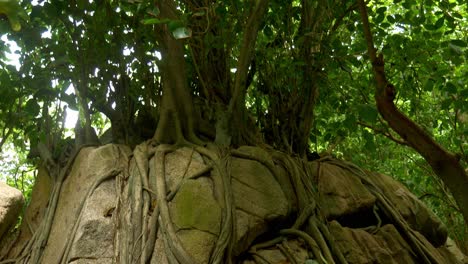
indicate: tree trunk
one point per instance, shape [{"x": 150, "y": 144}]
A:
[
  {"x": 176, "y": 122},
  {"x": 446, "y": 165}
]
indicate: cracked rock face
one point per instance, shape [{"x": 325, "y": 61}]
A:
[
  {"x": 196, "y": 208},
  {"x": 106, "y": 218}
]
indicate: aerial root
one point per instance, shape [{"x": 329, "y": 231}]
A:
[
  {"x": 221, "y": 163},
  {"x": 172, "y": 241},
  {"x": 69, "y": 239}
]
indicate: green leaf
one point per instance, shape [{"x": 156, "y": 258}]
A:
[
  {"x": 153, "y": 21},
  {"x": 379, "y": 18},
  {"x": 457, "y": 15},
  {"x": 464, "y": 93},
  {"x": 267, "y": 31},
  {"x": 370, "y": 141},
  {"x": 350, "y": 122},
  {"x": 381, "y": 10},
  {"x": 429, "y": 85},
  {"x": 456, "y": 49},
  {"x": 439, "y": 23},
  {"x": 429, "y": 27},
  {"x": 32, "y": 107},
  {"x": 153, "y": 12},
  {"x": 408, "y": 4},
  {"x": 445, "y": 104},
  {"x": 451, "y": 88},
  {"x": 81, "y": 4},
  {"x": 459, "y": 43},
  {"x": 385, "y": 25},
  {"x": 14, "y": 12},
  {"x": 368, "y": 113},
  {"x": 460, "y": 104},
  {"x": 175, "y": 24}
]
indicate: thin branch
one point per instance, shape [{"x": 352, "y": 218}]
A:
[
  {"x": 248, "y": 45},
  {"x": 5, "y": 136},
  {"x": 367, "y": 31},
  {"x": 384, "y": 133},
  {"x": 340, "y": 19}
]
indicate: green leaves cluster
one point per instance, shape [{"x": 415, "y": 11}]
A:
[{"x": 14, "y": 12}]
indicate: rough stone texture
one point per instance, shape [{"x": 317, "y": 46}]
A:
[
  {"x": 416, "y": 214},
  {"x": 358, "y": 246},
  {"x": 159, "y": 253},
  {"x": 194, "y": 210},
  {"x": 260, "y": 203},
  {"x": 176, "y": 166},
  {"x": 258, "y": 198},
  {"x": 11, "y": 203},
  {"x": 451, "y": 252},
  {"x": 194, "y": 207},
  {"x": 90, "y": 165},
  {"x": 285, "y": 182},
  {"x": 295, "y": 248},
  {"x": 341, "y": 193},
  {"x": 94, "y": 237},
  {"x": 197, "y": 216},
  {"x": 93, "y": 261},
  {"x": 198, "y": 243},
  {"x": 385, "y": 246}
]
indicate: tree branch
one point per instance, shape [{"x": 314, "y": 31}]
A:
[
  {"x": 384, "y": 133},
  {"x": 5, "y": 136},
  {"x": 339, "y": 20},
  {"x": 444, "y": 163},
  {"x": 248, "y": 45}
]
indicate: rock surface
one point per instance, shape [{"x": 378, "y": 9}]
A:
[
  {"x": 258, "y": 198},
  {"x": 88, "y": 222},
  {"x": 93, "y": 239},
  {"x": 341, "y": 194},
  {"x": 11, "y": 204}
]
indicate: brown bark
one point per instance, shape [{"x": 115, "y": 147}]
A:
[
  {"x": 309, "y": 23},
  {"x": 444, "y": 163},
  {"x": 247, "y": 50},
  {"x": 176, "y": 121},
  {"x": 240, "y": 126}
]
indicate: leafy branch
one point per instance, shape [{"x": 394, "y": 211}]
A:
[{"x": 384, "y": 132}]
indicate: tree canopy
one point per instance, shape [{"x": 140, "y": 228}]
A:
[{"x": 293, "y": 76}]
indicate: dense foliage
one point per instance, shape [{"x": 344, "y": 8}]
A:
[{"x": 308, "y": 79}]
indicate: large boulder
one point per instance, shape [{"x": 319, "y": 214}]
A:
[
  {"x": 11, "y": 204},
  {"x": 86, "y": 219},
  {"x": 258, "y": 198},
  {"x": 341, "y": 193},
  {"x": 99, "y": 216},
  {"x": 416, "y": 214}
]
